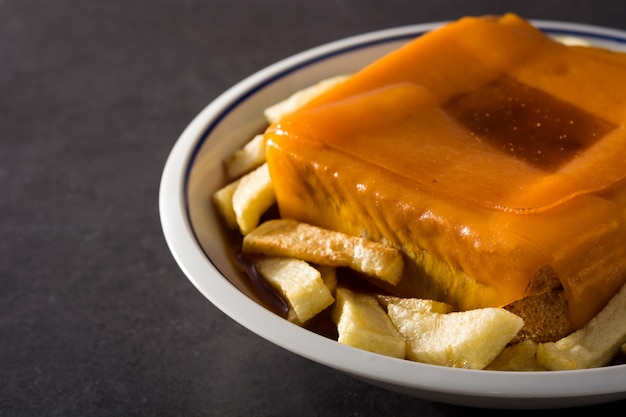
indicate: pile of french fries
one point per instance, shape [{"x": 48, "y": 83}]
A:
[{"x": 300, "y": 261}]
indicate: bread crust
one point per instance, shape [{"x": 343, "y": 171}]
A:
[{"x": 544, "y": 311}]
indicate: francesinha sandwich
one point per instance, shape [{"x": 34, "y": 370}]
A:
[{"x": 489, "y": 154}]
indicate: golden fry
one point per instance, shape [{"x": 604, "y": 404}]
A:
[
  {"x": 252, "y": 197},
  {"x": 362, "y": 323},
  {"x": 285, "y": 237},
  {"x": 592, "y": 346},
  {"x": 300, "y": 284}
]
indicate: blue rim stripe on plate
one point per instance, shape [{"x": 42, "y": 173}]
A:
[{"x": 574, "y": 32}]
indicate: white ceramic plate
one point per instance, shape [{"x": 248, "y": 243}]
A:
[{"x": 194, "y": 170}]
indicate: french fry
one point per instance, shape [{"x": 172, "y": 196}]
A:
[
  {"x": 416, "y": 304},
  {"x": 246, "y": 158},
  {"x": 252, "y": 154},
  {"x": 469, "y": 339},
  {"x": 593, "y": 345},
  {"x": 223, "y": 201},
  {"x": 300, "y": 98},
  {"x": 571, "y": 40},
  {"x": 289, "y": 238},
  {"x": 362, "y": 323},
  {"x": 252, "y": 197},
  {"x": 299, "y": 283},
  {"x": 520, "y": 357},
  {"x": 329, "y": 276}
]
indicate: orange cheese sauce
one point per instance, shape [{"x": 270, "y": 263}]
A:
[{"x": 484, "y": 144}]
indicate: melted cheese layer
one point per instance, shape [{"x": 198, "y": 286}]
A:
[{"x": 483, "y": 144}]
